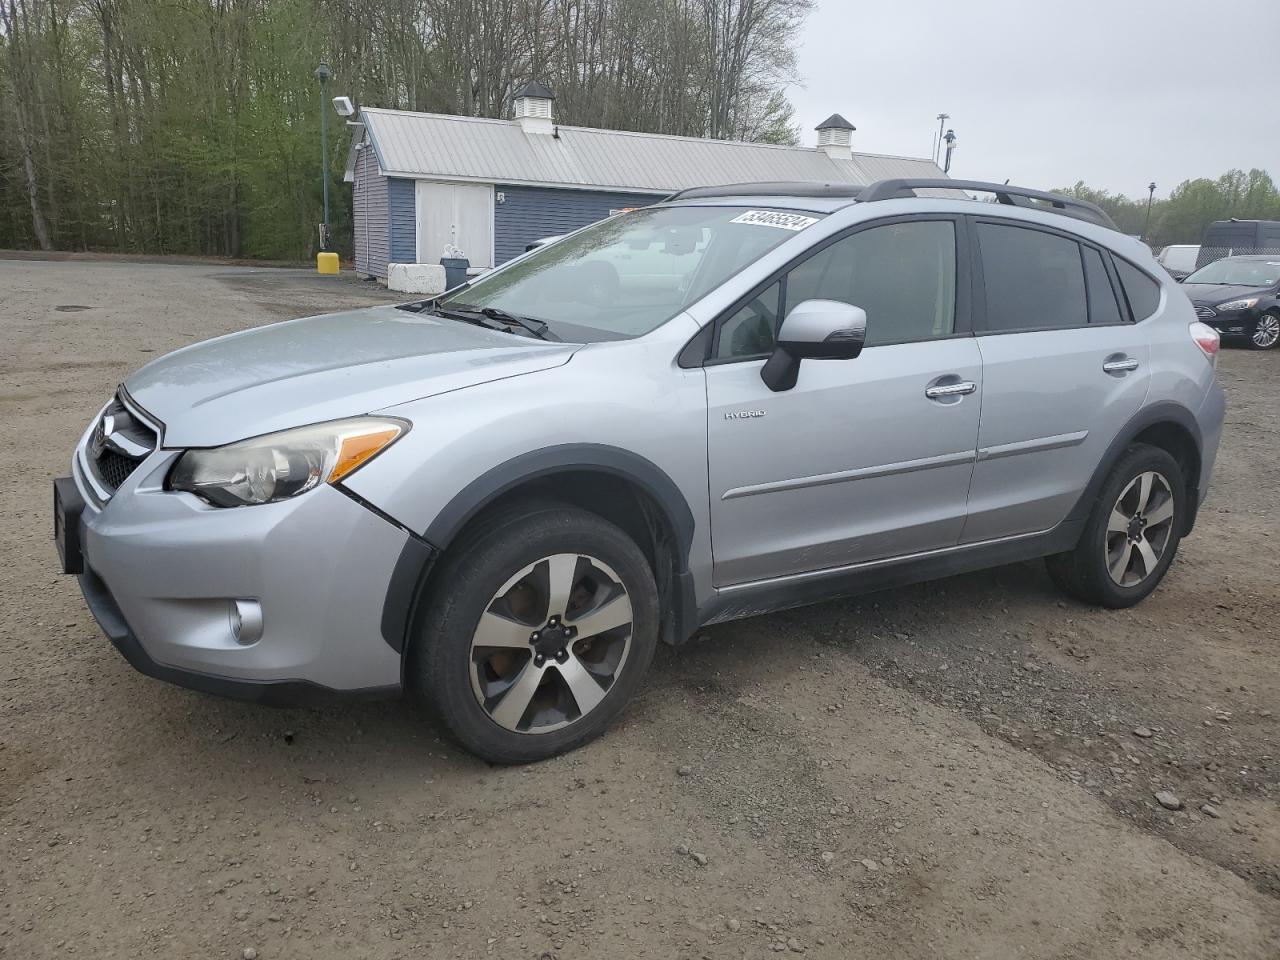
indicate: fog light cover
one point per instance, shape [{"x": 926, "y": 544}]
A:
[{"x": 246, "y": 621}]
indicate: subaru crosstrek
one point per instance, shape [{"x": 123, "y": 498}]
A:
[{"x": 737, "y": 400}]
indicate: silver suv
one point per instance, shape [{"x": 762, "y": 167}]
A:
[{"x": 738, "y": 400}]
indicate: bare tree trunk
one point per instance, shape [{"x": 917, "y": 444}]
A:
[
  {"x": 38, "y": 225},
  {"x": 19, "y": 38}
]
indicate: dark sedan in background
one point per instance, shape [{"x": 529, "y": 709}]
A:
[{"x": 1240, "y": 298}]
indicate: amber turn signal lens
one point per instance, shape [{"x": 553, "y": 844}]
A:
[{"x": 359, "y": 449}]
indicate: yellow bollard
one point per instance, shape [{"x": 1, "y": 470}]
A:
[{"x": 327, "y": 263}]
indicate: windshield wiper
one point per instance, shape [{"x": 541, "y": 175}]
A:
[
  {"x": 505, "y": 320},
  {"x": 491, "y": 318},
  {"x": 535, "y": 326}
]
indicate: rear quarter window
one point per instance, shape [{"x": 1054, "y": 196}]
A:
[{"x": 1140, "y": 290}]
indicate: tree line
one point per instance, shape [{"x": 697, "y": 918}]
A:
[
  {"x": 192, "y": 126},
  {"x": 1190, "y": 207}
]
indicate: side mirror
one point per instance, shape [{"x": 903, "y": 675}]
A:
[{"x": 814, "y": 330}]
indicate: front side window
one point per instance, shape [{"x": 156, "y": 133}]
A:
[
  {"x": 902, "y": 274},
  {"x": 749, "y": 330},
  {"x": 628, "y": 275},
  {"x": 1034, "y": 280}
]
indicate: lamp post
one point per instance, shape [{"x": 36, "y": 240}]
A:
[
  {"x": 937, "y": 146},
  {"x": 323, "y": 74},
  {"x": 1151, "y": 195},
  {"x": 950, "y": 139}
]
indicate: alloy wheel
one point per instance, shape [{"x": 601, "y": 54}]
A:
[
  {"x": 1139, "y": 529},
  {"x": 1266, "y": 332},
  {"x": 551, "y": 643}
]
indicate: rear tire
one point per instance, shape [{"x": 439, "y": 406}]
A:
[
  {"x": 538, "y": 630},
  {"x": 1266, "y": 332},
  {"x": 1131, "y": 535}
]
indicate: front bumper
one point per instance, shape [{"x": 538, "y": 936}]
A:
[
  {"x": 163, "y": 570},
  {"x": 1237, "y": 324}
]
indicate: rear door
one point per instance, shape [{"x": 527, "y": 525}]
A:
[
  {"x": 862, "y": 459},
  {"x": 1064, "y": 367}
]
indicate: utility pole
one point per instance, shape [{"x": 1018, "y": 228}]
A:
[
  {"x": 322, "y": 74},
  {"x": 1151, "y": 195}
]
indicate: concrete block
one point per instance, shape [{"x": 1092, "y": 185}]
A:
[{"x": 427, "y": 278}]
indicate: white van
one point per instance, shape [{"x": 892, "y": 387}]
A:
[{"x": 1179, "y": 259}]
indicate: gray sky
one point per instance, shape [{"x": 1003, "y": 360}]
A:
[{"x": 1047, "y": 92}]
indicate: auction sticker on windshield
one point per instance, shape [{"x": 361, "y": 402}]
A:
[{"x": 772, "y": 218}]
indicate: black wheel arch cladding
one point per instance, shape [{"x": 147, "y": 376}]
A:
[
  {"x": 420, "y": 553},
  {"x": 1165, "y": 413}
]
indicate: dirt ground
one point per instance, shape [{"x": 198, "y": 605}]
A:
[{"x": 949, "y": 770}]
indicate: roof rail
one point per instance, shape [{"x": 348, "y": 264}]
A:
[
  {"x": 1011, "y": 196},
  {"x": 799, "y": 188}
]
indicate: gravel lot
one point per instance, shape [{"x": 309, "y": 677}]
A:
[{"x": 961, "y": 769}]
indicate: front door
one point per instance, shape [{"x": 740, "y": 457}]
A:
[
  {"x": 862, "y": 459},
  {"x": 1064, "y": 368},
  {"x": 455, "y": 213}
]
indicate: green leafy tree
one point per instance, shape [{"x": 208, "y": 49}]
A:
[
  {"x": 191, "y": 126},
  {"x": 1191, "y": 207}
]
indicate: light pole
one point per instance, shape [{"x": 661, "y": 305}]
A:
[
  {"x": 1151, "y": 195},
  {"x": 322, "y": 74},
  {"x": 937, "y": 146},
  {"x": 950, "y": 139}
]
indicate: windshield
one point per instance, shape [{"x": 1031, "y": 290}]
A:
[
  {"x": 1239, "y": 273},
  {"x": 630, "y": 274}
]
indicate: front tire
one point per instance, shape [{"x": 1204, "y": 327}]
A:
[
  {"x": 1131, "y": 535},
  {"x": 1266, "y": 332},
  {"x": 538, "y": 631}
]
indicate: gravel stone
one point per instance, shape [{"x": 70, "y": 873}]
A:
[{"x": 1169, "y": 800}]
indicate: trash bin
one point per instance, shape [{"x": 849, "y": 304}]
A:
[{"x": 455, "y": 271}]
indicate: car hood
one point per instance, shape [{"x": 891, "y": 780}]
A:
[
  {"x": 324, "y": 368},
  {"x": 1210, "y": 295}
]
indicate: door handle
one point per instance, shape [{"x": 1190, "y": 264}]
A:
[
  {"x": 1120, "y": 365},
  {"x": 944, "y": 390}
]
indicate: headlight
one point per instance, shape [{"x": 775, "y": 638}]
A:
[
  {"x": 282, "y": 465},
  {"x": 1239, "y": 304}
]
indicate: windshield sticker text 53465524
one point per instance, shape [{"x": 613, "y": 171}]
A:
[{"x": 772, "y": 218}]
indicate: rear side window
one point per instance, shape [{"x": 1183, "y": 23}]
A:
[
  {"x": 1142, "y": 292},
  {"x": 1103, "y": 307},
  {"x": 1034, "y": 280}
]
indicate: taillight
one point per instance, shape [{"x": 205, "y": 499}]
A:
[{"x": 1207, "y": 339}]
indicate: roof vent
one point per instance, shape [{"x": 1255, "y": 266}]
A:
[
  {"x": 533, "y": 108},
  {"x": 835, "y": 137}
]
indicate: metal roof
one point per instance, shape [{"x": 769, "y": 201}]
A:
[{"x": 437, "y": 146}]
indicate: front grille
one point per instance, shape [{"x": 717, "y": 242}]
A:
[
  {"x": 121, "y": 440},
  {"x": 1206, "y": 313},
  {"x": 113, "y": 469}
]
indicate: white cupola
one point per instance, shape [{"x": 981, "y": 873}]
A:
[
  {"x": 532, "y": 104},
  {"x": 835, "y": 137}
]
